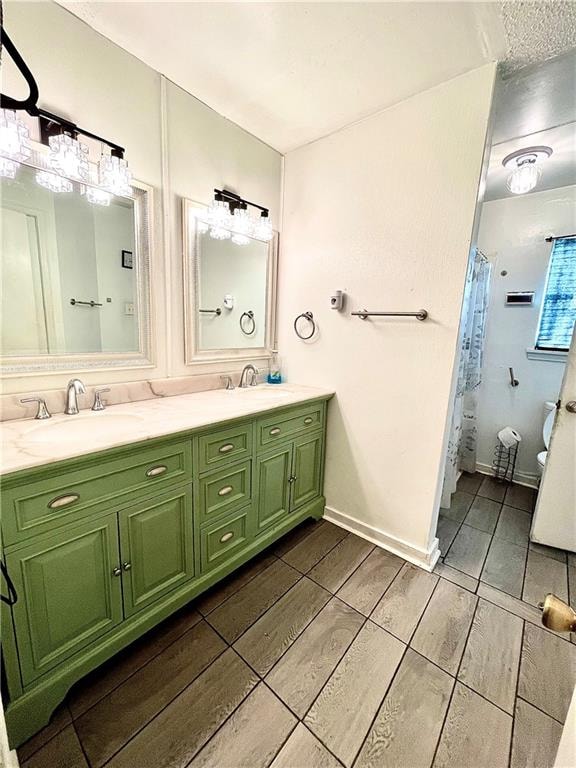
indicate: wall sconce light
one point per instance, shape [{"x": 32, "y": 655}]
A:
[
  {"x": 228, "y": 216},
  {"x": 526, "y": 168}
]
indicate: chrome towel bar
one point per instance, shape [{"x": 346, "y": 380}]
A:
[{"x": 363, "y": 314}]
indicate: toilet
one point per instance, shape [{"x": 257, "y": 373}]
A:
[{"x": 550, "y": 412}]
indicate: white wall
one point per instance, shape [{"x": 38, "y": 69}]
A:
[
  {"x": 384, "y": 210},
  {"x": 170, "y": 138},
  {"x": 512, "y": 234}
]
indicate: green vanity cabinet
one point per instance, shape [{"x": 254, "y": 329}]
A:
[
  {"x": 103, "y": 547},
  {"x": 68, "y": 595}
]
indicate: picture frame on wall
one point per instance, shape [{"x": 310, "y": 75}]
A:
[{"x": 127, "y": 259}]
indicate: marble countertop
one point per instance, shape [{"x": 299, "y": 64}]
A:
[{"x": 27, "y": 443}]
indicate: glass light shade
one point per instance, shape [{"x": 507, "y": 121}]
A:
[
  {"x": 97, "y": 196},
  {"x": 263, "y": 229},
  {"x": 114, "y": 175},
  {"x": 242, "y": 223},
  {"x": 240, "y": 239},
  {"x": 14, "y": 137},
  {"x": 8, "y": 168},
  {"x": 69, "y": 157},
  {"x": 524, "y": 178},
  {"x": 53, "y": 181},
  {"x": 219, "y": 214},
  {"x": 219, "y": 233}
]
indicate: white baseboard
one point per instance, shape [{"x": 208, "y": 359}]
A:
[
  {"x": 520, "y": 478},
  {"x": 421, "y": 557}
]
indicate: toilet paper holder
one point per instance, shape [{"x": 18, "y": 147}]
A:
[{"x": 513, "y": 381}]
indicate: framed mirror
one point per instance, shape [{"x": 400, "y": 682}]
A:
[
  {"x": 74, "y": 277},
  {"x": 229, "y": 292}
]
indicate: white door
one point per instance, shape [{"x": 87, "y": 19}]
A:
[{"x": 554, "y": 521}]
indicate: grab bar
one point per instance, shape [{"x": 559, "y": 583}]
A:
[
  {"x": 363, "y": 314},
  {"x": 216, "y": 311}
]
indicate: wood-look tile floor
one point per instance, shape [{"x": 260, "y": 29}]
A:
[{"x": 327, "y": 652}]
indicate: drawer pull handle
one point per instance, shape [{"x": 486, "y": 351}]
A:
[
  {"x": 226, "y": 537},
  {"x": 275, "y": 431},
  {"x": 225, "y": 491},
  {"x": 155, "y": 471},
  {"x": 63, "y": 501},
  {"x": 226, "y": 447},
  {"x": 117, "y": 571},
  {"x": 308, "y": 420}
]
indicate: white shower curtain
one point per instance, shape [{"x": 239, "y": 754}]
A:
[{"x": 461, "y": 454}]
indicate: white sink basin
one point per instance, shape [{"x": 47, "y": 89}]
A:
[{"x": 82, "y": 428}]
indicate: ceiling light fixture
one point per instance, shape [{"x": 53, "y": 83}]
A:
[{"x": 526, "y": 168}]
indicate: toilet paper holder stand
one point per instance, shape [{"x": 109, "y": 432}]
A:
[{"x": 513, "y": 381}]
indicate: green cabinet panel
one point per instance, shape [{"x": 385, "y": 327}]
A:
[
  {"x": 306, "y": 470},
  {"x": 42, "y": 505},
  {"x": 156, "y": 544},
  {"x": 225, "y": 491},
  {"x": 68, "y": 593},
  {"x": 225, "y": 446},
  {"x": 273, "y": 473},
  {"x": 223, "y": 539},
  {"x": 291, "y": 424}
]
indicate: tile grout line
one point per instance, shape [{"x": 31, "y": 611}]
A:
[{"x": 88, "y": 762}]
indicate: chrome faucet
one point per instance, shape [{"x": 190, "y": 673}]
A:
[
  {"x": 244, "y": 376},
  {"x": 75, "y": 388}
]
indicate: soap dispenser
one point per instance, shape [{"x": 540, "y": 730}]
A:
[{"x": 275, "y": 373}]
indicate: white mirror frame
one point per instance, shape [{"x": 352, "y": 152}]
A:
[
  {"x": 191, "y": 262},
  {"x": 13, "y": 366}
]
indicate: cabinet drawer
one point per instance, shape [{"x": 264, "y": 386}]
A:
[
  {"x": 287, "y": 425},
  {"x": 223, "y": 539},
  {"x": 42, "y": 505},
  {"x": 225, "y": 446},
  {"x": 224, "y": 491}
]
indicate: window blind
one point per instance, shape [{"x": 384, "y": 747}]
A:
[{"x": 559, "y": 310}]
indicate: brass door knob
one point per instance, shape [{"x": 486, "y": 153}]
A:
[{"x": 557, "y": 615}]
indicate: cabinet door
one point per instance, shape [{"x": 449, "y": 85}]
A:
[
  {"x": 69, "y": 591},
  {"x": 306, "y": 470},
  {"x": 157, "y": 548},
  {"x": 273, "y": 485}
]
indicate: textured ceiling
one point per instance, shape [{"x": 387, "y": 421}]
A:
[{"x": 536, "y": 31}]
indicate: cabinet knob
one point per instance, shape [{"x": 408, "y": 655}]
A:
[
  {"x": 226, "y": 447},
  {"x": 155, "y": 471},
  {"x": 226, "y": 537},
  {"x": 126, "y": 566},
  {"x": 571, "y": 406},
  {"x": 225, "y": 491},
  {"x": 275, "y": 431},
  {"x": 116, "y": 571},
  {"x": 292, "y": 479}
]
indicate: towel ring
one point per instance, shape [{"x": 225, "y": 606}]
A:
[
  {"x": 250, "y": 316},
  {"x": 307, "y": 316}
]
